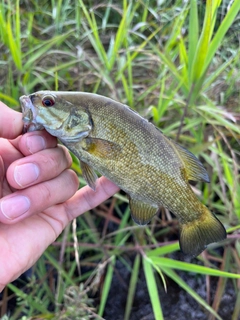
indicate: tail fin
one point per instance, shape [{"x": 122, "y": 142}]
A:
[{"x": 197, "y": 234}]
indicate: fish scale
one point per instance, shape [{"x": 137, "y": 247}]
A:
[{"x": 114, "y": 140}]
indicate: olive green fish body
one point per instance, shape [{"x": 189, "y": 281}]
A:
[
  {"x": 143, "y": 164},
  {"x": 118, "y": 143}
]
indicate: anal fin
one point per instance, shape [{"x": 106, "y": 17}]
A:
[
  {"x": 142, "y": 212},
  {"x": 89, "y": 175}
]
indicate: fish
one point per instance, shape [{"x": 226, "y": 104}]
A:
[{"x": 110, "y": 138}]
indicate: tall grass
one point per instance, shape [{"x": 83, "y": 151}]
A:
[{"x": 177, "y": 63}]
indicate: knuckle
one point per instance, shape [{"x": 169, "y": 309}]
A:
[
  {"x": 66, "y": 156},
  {"x": 51, "y": 162},
  {"x": 46, "y": 193},
  {"x": 71, "y": 180},
  {"x": 89, "y": 199}
]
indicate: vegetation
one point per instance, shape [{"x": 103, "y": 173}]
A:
[{"x": 175, "y": 62}]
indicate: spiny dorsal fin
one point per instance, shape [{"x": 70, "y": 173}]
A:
[
  {"x": 89, "y": 175},
  {"x": 142, "y": 212},
  {"x": 194, "y": 168}
]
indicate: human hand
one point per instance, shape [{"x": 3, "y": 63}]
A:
[{"x": 38, "y": 195}]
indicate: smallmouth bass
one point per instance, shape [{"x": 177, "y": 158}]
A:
[{"x": 114, "y": 140}]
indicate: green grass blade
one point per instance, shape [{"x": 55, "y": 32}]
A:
[
  {"x": 120, "y": 37},
  {"x": 3, "y": 25},
  {"x": 132, "y": 287},
  {"x": 160, "y": 251},
  {"x": 190, "y": 267},
  {"x": 28, "y": 298},
  {"x": 95, "y": 38},
  {"x": 13, "y": 46},
  {"x": 106, "y": 286},
  {"x": 232, "y": 229},
  {"x": 152, "y": 289},
  {"x": 183, "y": 60},
  {"x": 203, "y": 44},
  {"x": 193, "y": 34},
  {"x": 223, "y": 28},
  {"x": 9, "y": 99}
]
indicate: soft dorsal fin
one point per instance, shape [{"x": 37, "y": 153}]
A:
[
  {"x": 142, "y": 212},
  {"x": 194, "y": 168}
]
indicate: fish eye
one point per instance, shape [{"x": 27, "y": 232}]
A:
[{"x": 48, "y": 101}]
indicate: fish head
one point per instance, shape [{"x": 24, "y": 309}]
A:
[{"x": 53, "y": 112}]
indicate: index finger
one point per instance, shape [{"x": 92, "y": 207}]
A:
[{"x": 11, "y": 124}]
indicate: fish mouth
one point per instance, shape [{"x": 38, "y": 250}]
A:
[{"x": 29, "y": 112}]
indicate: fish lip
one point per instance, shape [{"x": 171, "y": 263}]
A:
[{"x": 29, "y": 114}]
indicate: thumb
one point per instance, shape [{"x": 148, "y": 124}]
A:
[{"x": 11, "y": 124}]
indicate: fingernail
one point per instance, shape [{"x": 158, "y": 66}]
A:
[
  {"x": 35, "y": 143},
  {"x": 26, "y": 173},
  {"x": 15, "y": 206}
]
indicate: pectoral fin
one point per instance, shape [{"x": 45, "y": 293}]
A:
[
  {"x": 89, "y": 175},
  {"x": 102, "y": 148},
  {"x": 193, "y": 167},
  {"x": 142, "y": 212}
]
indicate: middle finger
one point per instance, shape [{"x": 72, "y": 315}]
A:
[{"x": 41, "y": 166}]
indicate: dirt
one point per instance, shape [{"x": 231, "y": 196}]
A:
[{"x": 176, "y": 303}]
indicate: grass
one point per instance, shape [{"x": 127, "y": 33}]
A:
[{"x": 177, "y": 65}]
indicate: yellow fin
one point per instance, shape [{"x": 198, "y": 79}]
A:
[
  {"x": 142, "y": 212},
  {"x": 102, "y": 148},
  {"x": 194, "y": 168},
  {"x": 89, "y": 175},
  {"x": 197, "y": 234}
]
